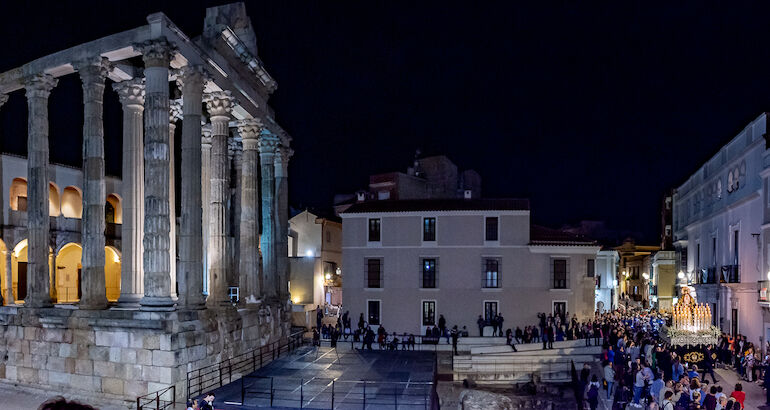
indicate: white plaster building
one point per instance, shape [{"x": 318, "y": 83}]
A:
[
  {"x": 720, "y": 219},
  {"x": 407, "y": 262},
  {"x": 606, "y": 280},
  {"x": 315, "y": 265}
]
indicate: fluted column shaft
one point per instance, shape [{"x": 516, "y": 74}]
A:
[
  {"x": 157, "y": 275},
  {"x": 190, "y": 275},
  {"x": 267, "y": 144},
  {"x": 131, "y": 94},
  {"x": 174, "y": 114},
  {"x": 235, "y": 151},
  {"x": 219, "y": 105},
  {"x": 94, "y": 294},
  {"x": 206, "y": 202},
  {"x": 282, "y": 156},
  {"x": 249, "y": 225},
  {"x": 38, "y": 88}
]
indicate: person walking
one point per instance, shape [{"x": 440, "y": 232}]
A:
[
  {"x": 609, "y": 377},
  {"x": 319, "y": 316},
  {"x": 455, "y": 335},
  {"x": 500, "y": 321},
  {"x": 442, "y": 328}
]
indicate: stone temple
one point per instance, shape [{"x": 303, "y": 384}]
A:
[{"x": 106, "y": 290}]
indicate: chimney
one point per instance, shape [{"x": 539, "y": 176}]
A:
[
  {"x": 360, "y": 196},
  {"x": 468, "y": 194}
]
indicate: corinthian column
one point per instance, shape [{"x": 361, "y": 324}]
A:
[
  {"x": 38, "y": 88},
  {"x": 206, "y": 201},
  {"x": 131, "y": 94},
  {"x": 191, "y": 233},
  {"x": 283, "y": 153},
  {"x": 93, "y": 73},
  {"x": 249, "y": 229},
  {"x": 235, "y": 154},
  {"x": 157, "y": 225},
  {"x": 218, "y": 105},
  {"x": 267, "y": 144},
  {"x": 174, "y": 114}
]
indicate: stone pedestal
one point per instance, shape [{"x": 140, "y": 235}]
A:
[{"x": 38, "y": 88}]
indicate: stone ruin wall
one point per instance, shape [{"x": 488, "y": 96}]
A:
[{"x": 123, "y": 354}]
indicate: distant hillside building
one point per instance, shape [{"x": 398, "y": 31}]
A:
[{"x": 434, "y": 177}]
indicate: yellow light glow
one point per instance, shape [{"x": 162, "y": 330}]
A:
[
  {"x": 296, "y": 300},
  {"x": 328, "y": 276}
]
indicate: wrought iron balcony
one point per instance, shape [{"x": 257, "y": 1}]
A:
[
  {"x": 705, "y": 276},
  {"x": 731, "y": 274}
]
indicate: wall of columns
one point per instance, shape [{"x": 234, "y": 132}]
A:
[{"x": 233, "y": 222}]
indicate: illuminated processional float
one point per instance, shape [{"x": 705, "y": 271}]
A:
[{"x": 690, "y": 323}]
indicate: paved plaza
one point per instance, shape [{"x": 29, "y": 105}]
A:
[{"x": 313, "y": 377}]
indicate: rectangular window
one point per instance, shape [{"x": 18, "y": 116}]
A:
[
  {"x": 373, "y": 312},
  {"x": 428, "y": 273},
  {"x": 735, "y": 247},
  {"x": 429, "y": 313},
  {"x": 374, "y": 230},
  {"x": 429, "y": 229},
  {"x": 697, "y": 256},
  {"x": 374, "y": 273},
  {"x": 714, "y": 251},
  {"x": 490, "y": 310},
  {"x": 559, "y": 273},
  {"x": 491, "y": 229},
  {"x": 591, "y": 268},
  {"x": 598, "y": 281},
  {"x": 491, "y": 273}
]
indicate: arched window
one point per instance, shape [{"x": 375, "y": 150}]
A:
[
  {"x": 54, "y": 208},
  {"x": 113, "y": 212},
  {"x": 71, "y": 203},
  {"x": 19, "y": 194}
]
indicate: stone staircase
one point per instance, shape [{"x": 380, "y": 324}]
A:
[{"x": 499, "y": 364}]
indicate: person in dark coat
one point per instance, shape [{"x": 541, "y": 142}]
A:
[{"x": 481, "y": 323}]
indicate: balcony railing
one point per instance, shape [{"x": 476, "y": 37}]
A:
[
  {"x": 731, "y": 274},
  {"x": 706, "y": 276}
]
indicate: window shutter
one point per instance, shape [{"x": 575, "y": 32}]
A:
[
  {"x": 366, "y": 272},
  {"x": 568, "y": 271},
  {"x": 382, "y": 273},
  {"x": 499, "y": 272},
  {"x": 483, "y": 272},
  {"x": 436, "y": 274}
]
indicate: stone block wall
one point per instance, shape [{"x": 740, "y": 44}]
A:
[{"x": 123, "y": 354}]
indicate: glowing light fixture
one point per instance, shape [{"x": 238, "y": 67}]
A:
[
  {"x": 328, "y": 276},
  {"x": 296, "y": 300},
  {"x": 680, "y": 275},
  {"x": 646, "y": 276},
  {"x": 309, "y": 253}
]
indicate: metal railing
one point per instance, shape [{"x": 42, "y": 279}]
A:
[
  {"x": 262, "y": 391},
  {"x": 217, "y": 375},
  {"x": 161, "y": 399},
  {"x": 731, "y": 274},
  {"x": 706, "y": 276}
]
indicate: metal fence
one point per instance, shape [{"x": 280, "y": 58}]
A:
[
  {"x": 161, "y": 399},
  {"x": 327, "y": 393},
  {"x": 217, "y": 375}
]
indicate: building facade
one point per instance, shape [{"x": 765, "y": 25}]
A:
[
  {"x": 606, "y": 280},
  {"x": 315, "y": 266},
  {"x": 169, "y": 310},
  {"x": 720, "y": 218},
  {"x": 635, "y": 267},
  {"x": 407, "y": 262}
]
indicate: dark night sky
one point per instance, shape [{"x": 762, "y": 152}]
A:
[{"x": 592, "y": 113}]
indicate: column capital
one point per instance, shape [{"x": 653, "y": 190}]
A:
[
  {"x": 39, "y": 85},
  {"x": 131, "y": 92},
  {"x": 174, "y": 110},
  {"x": 192, "y": 76},
  {"x": 249, "y": 129},
  {"x": 219, "y": 104},
  {"x": 156, "y": 53},
  {"x": 267, "y": 144},
  {"x": 3, "y": 99},
  {"x": 206, "y": 136},
  {"x": 282, "y": 155},
  {"x": 93, "y": 70}
]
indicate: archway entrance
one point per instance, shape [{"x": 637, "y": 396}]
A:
[
  {"x": 19, "y": 271},
  {"x": 69, "y": 271}
]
